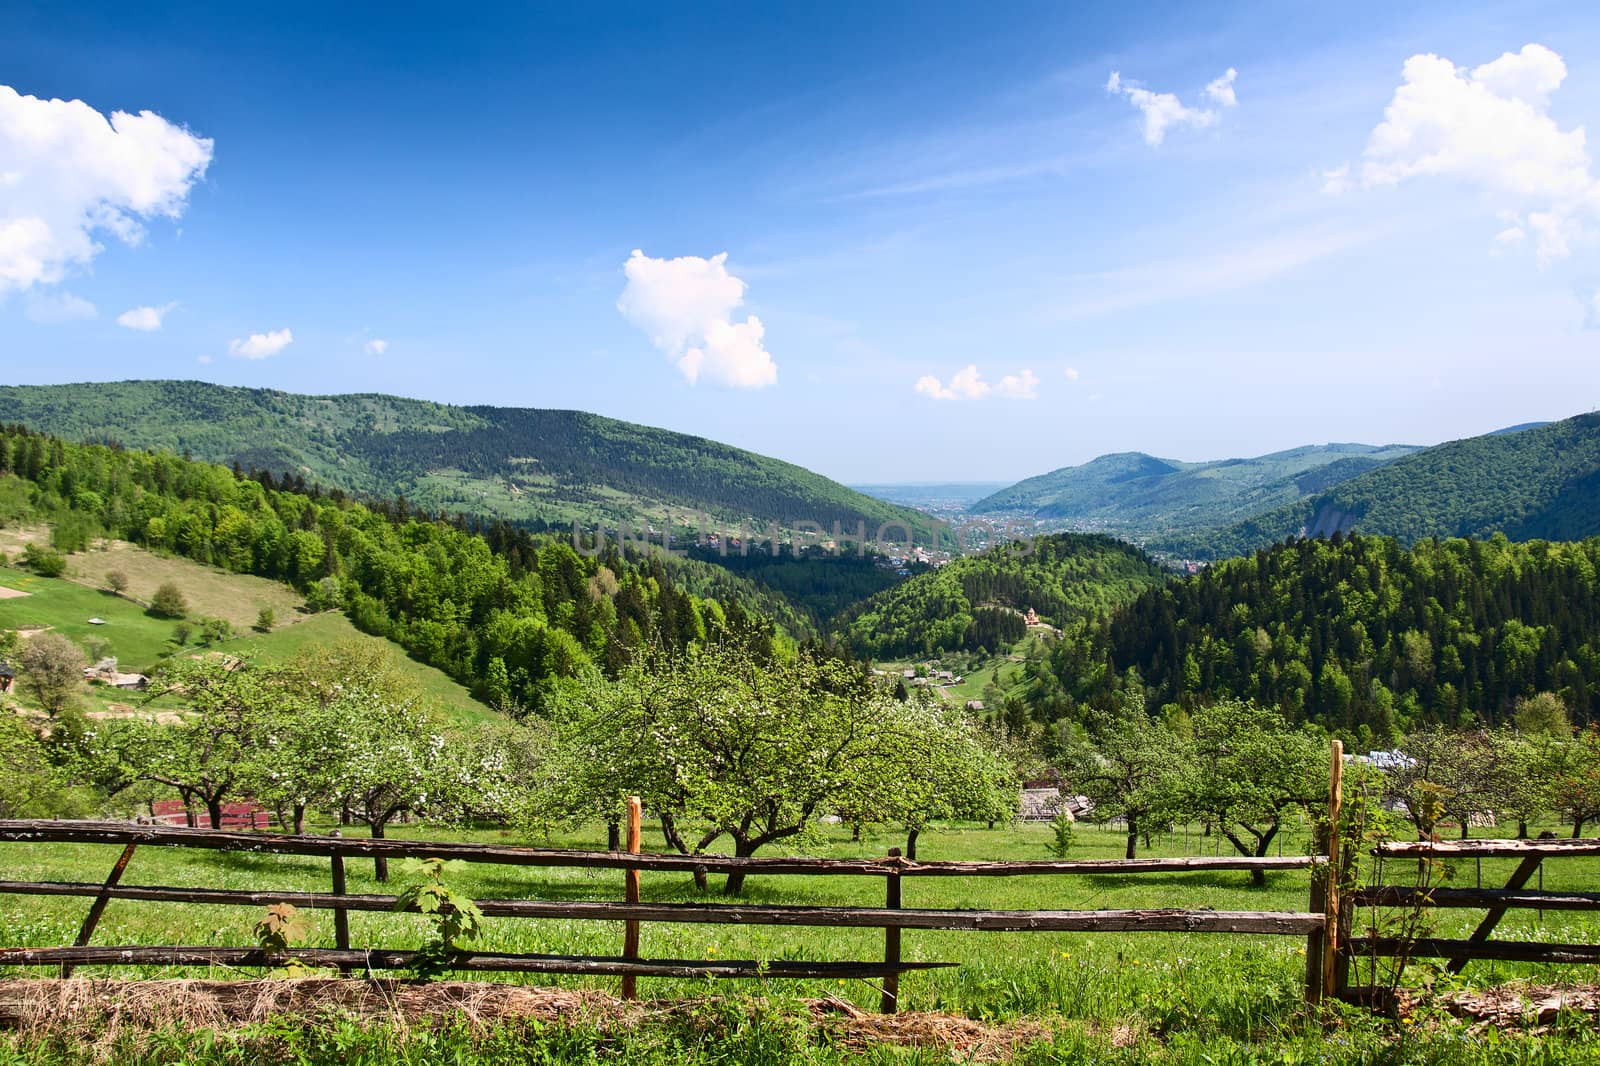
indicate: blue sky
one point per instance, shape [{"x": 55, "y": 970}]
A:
[{"x": 442, "y": 202}]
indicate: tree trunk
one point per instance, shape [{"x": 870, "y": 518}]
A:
[
  {"x": 380, "y": 864},
  {"x": 613, "y": 835},
  {"x": 911, "y": 844},
  {"x": 299, "y": 819},
  {"x": 1577, "y": 828},
  {"x": 1133, "y": 839},
  {"x": 1258, "y": 877},
  {"x": 1522, "y": 829},
  {"x": 214, "y": 812},
  {"x": 1464, "y": 827},
  {"x": 742, "y": 849}
]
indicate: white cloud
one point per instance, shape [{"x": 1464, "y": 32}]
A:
[
  {"x": 261, "y": 345},
  {"x": 1072, "y": 373},
  {"x": 70, "y": 174},
  {"x": 54, "y": 308},
  {"x": 1220, "y": 90},
  {"x": 376, "y": 346},
  {"x": 203, "y": 360},
  {"x": 686, "y": 307},
  {"x": 1023, "y": 385},
  {"x": 1164, "y": 111},
  {"x": 145, "y": 319},
  {"x": 1489, "y": 128},
  {"x": 1336, "y": 182},
  {"x": 968, "y": 384}
]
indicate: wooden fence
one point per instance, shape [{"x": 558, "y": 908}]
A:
[
  {"x": 893, "y": 917},
  {"x": 1419, "y": 899}
]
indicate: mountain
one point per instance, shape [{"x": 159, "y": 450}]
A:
[
  {"x": 1140, "y": 495},
  {"x": 1541, "y": 482},
  {"x": 979, "y": 601},
  {"x": 522, "y": 465},
  {"x": 1366, "y": 636}
]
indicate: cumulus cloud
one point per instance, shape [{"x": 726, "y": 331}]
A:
[
  {"x": 686, "y": 307},
  {"x": 968, "y": 384},
  {"x": 1072, "y": 373},
  {"x": 260, "y": 345},
  {"x": 1220, "y": 90},
  {"x": 54, "y": 308},
  {"x": 1489, "y": 128},
  {"x": 376, "y": 346},
  {"x": 144, "y": 319},
  {"x": 1164, "y": 111},
  {"x": 69, "y": 175}
]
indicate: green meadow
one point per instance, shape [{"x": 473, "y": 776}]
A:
[{"x": 1178, "y": 997}]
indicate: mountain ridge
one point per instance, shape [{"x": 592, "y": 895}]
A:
[{"x": 527, "y": 465}]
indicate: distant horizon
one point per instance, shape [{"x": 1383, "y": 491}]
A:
[{"x": 858, "y": 484}]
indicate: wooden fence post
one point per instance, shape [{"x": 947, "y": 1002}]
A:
[
  {"x": 1318, "y": 904},
  {"x": 1330, "y": 932},
  {"x": 890, "y": 1002},
  {"x": 341, "y": 917},
  {"x": 98, "y": 907},
  {"x": 630, "y": 894}
]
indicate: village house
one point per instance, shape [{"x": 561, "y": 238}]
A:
[{"x": 1031, "y": 618}]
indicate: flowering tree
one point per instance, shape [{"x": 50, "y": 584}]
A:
[
  {"x": 1248, "y": 770},
  {"x": 722, "y": 742}
]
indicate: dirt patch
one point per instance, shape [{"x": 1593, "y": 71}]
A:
[
  {"x": 12, "y": 594},
  {"x": 98, "y": 1008},
  {"x": 123, "y": 711}
]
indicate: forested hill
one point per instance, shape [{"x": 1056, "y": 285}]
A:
[
  {"x": 1139, "y": 494},
  {"x": 978, "y": 601},
  {"x": 1360, "y": 634},
  {"x": 506, "y": 613},
  {"x": 1542, "y": 482},
  {"x": 522, "y": 465}
]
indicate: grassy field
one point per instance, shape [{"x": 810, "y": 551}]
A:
[
  {"x": 1171, "y": 994},
  {"x": 134, "y": 637},
  {"x": 140, "y": 641}
]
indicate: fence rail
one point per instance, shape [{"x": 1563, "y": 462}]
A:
[
  {"x": 892, "y": 918},
  {"x": 1495, "y": 902}
]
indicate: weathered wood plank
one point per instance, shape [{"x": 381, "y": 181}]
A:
[
  {"x": 210, "y": 955},
  {"x": 1519, "y": 877},
  {"x": 1402, "y": 896},
  {"x": 1167, "y": 920},
  {"x": 1485, "y": 849},
  {"x": 23, "y": 831},
  {"x": 1500, "y": 950}
]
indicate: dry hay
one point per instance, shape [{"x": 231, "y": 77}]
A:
[{"x": 98, "y": 1009}]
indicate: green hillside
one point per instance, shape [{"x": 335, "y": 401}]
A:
[
  {"x": 1541, "y": 482},
  {"x": 1138, "y": 494},
  {"x": 1362, "y": 635},
  {"x": 977, "y": 602},
  {"x": 522, "y": 465}
]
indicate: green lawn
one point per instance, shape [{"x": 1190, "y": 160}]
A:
[
  {"x": 1179, "y": 997},
  {"x": 286, "y": 642},
  {"x": 135, "y": 638}
]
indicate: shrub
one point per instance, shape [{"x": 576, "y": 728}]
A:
[
  {"x": 52, "y": 671},
  {"x": 215, "y": 630},
  {"x": 43, "y": 561},
  {"x": 181, "y": 633},
  {"x": 168, "y": 602},
  {"x": 116, "y": 581},
  {"x": 266, "y": 618}
]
